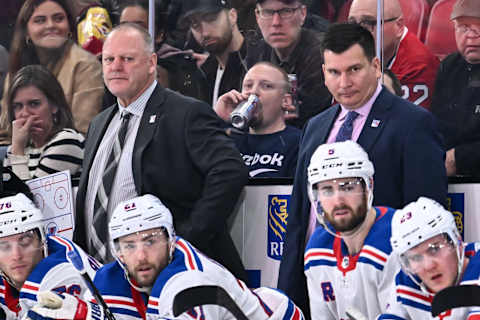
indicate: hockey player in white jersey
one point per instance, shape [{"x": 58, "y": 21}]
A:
[
  {"x": 153, "y": 265},
  {"x": 433, "y": 257},
  {"x": 348, "y": 260},
  {"x": 30, "y": 261}
]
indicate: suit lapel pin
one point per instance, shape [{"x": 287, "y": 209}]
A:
[
  {"x": 152, "y": 118},
  {"x": 375, "y": 123}
]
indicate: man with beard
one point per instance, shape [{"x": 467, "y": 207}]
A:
[
  {"x": 152, "y": 266},
  {"x": 270, "y": 148},
  {"x": 156, "y": 141},
  {"x": 213, "y": 24},
  {"x": 348, "y": 260},
  {"x": 401, "y": 139}
]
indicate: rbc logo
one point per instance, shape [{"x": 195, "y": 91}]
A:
[
  {"x": 456, "y": 205},
  {"x": 278, "y": 206}
]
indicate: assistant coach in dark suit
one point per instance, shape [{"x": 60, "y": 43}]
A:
[
  {"x": 400, "y": 138},
  {"x": 174, "y": 149}
]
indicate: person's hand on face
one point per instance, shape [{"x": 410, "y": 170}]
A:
[
  {"x": 22, "y": 130},
  {"x": 227, "y": 102}
]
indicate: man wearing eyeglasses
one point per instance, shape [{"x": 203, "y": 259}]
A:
[
  {"x": 294, "y": 49},
  {"x": 433, "y": 257},
  {"x": 456, "y": 102},
  {"x": 348, "y": 261},
  {"x": 411, "y": 61}
]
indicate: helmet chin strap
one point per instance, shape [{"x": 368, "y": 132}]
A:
[
  {"x": 7, "y": 278},
  {"x": 461, "y": 262}
]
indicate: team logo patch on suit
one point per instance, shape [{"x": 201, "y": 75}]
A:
[
  {"x": 456, "y": 205},
  {"x": 278, "y": 206}
]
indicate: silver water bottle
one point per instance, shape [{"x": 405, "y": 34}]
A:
[{"x": 243, "y": 113}]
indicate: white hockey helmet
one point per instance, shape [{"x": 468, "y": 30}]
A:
[
  {"x": 419, "y": 221},
  {"x": 140, "y": 214},
  {"x": 136, "y": 215},
  {"x": 19, "y": 214},
  {"x": 338, "y": 160}
]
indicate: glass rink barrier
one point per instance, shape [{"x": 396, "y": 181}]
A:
[{"x": 258, "y": 225}]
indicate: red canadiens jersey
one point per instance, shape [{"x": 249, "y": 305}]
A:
[{"x": 416, "y": 68}]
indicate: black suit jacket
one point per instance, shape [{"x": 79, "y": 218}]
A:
[
  {"x": 185, "y": 159},
  {"x": 406, "y": 149}
]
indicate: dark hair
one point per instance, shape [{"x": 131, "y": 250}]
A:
[
  {"x": 341, "y": 36},
  {"x": 42, "y": 79},
  {"x": 397, "y": 86},
  {"x": 160, "y": 18},
  {"x": 133, "y": 3},
  {"x": 22, "y": 53}
]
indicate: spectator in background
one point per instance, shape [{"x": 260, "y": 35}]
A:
[
  {"x": 400, "y": 138},
  {"x": 295, "y": 50},
  {"x": 411, "y": 61},
  {"x": 270, "y": 148},
  {"x": 177, "y": 69},
  {"x": 3, "y": 67},
  {"x": 9, "y": 12},
  {"x": 391, "y": 82},
  {"x": 173, "y": 147},
  {"x": 456, "y": 102},
  {"x": 45, "y": 34},
  {"x": 136, "y": 11},
  {"x": 213, "y": 24},
  {"x": 44, "y": 140}
]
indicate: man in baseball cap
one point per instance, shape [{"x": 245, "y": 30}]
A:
[
  {"x": 457, "y": 93},
  {"x": 204, "y": 6},
  {"x": 213, "y": 24}
]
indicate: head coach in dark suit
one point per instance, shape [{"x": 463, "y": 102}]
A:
[
  {"x": 401, "y": 140},
  {"x": 156, "y": 141}
]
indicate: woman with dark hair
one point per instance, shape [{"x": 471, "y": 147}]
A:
[
  {"x": 44, "y": 140},
  {"x": 45, "y": 34}
]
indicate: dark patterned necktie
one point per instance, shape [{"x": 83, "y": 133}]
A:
[
  {"x": 345, "y": 132},
  {"x": 99, "y": 228}
]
